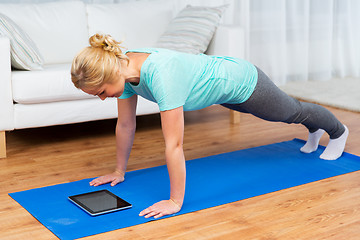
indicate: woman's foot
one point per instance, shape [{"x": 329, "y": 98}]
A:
[
  {"x": 313, "y": 141},
  {"x": 336, "y": 147}
]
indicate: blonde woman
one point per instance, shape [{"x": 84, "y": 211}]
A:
[{"x": 180, "y": 82}]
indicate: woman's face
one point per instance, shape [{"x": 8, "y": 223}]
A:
[{"x": 114, "y": 89}]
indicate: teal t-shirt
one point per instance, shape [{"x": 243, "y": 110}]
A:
[{"x": 173, "y": 79}]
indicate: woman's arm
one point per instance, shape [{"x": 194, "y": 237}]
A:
[
  {"x": 173, "y": 129},
  {"x": 172, "y": 122},
  {"x": 125, "y": 131}
]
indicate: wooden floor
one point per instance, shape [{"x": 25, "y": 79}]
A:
[{"x": 327, "y": 209}]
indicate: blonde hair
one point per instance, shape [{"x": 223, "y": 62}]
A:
[{"x": 98, "y": 63}]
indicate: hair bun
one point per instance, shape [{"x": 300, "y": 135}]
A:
[{"x": 106, "y": 42}]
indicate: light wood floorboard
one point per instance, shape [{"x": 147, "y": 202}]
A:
[{"x": 327, "y": 209}]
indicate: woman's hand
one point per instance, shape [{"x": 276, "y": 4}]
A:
[
  {"x": 161, "y": 209},
  {"x": 115, "y": 178}
]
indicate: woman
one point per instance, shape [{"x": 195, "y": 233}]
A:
[{"x": 180, "y": 82}]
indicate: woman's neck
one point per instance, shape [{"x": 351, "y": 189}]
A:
[{"x": 132, "y": 71}]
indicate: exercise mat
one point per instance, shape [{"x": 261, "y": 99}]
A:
[{"x": 211, "y": 181}]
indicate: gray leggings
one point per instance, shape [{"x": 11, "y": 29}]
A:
[{"x": 268, "y": 102}]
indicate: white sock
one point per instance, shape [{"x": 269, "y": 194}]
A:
[
  {"x": 335, "y": 147},
  {"x": 313, "y": 141}
]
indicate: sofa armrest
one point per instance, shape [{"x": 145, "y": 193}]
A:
[
  {"x": 228, "y": 40},
  {"x": 6, "y": 102}
]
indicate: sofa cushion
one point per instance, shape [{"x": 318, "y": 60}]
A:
[
  {"x": 24, "y": 53},
  {"x": 52, "y": 84},
  {"x": 137, "y": 24},
  {"x": 59, "y": 29},
  {"x": 192, "y": 29}
]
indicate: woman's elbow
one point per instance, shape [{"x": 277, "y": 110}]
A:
[
  {"x": 126, "y": 126},
  {"x": 175, "y": 146}
]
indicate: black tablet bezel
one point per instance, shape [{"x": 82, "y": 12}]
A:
[{"x": 95, "y": 213}]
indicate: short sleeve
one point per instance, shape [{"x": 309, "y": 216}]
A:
[
  {"x": 128, "y": 92},
  {"x": 171, "y": 87}
]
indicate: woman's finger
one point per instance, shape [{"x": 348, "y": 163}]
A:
[
  {"x": 144, "y": 212},
  {"x": 159, "y": 215},
  {"x": 115, "y": 181},
  {"x": 99, "y": 181},
  {"x": 151, "y": 214}
]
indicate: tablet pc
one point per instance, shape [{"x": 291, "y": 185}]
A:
[{"x": 99, "y": 202}]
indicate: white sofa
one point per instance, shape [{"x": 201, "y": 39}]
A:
[{"x": 47, "y": 97}]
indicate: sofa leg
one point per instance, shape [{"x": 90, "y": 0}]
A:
[
  {"x": 2, "y": 144},
  {"x": 234, "y": 117}
]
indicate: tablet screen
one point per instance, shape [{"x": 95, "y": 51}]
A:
[{"x": 99, "y": 202}]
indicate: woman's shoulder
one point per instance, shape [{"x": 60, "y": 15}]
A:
[
  {"x": 141, "y": 50},
  {"x": 163, "y": 60},
  {"x": 150, "y": 50},
  {"x": 162, "y": 51}
]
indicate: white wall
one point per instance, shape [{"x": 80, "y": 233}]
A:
[{"x": 289, "y": 39}]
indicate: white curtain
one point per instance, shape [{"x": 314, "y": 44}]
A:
[
  {"x": 298, "y": 40},
  {"x": 305, "y": 40},
  {"x": 291, "y": 40}
]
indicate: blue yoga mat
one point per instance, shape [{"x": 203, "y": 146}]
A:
[{"x": 211, "y": 181}]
